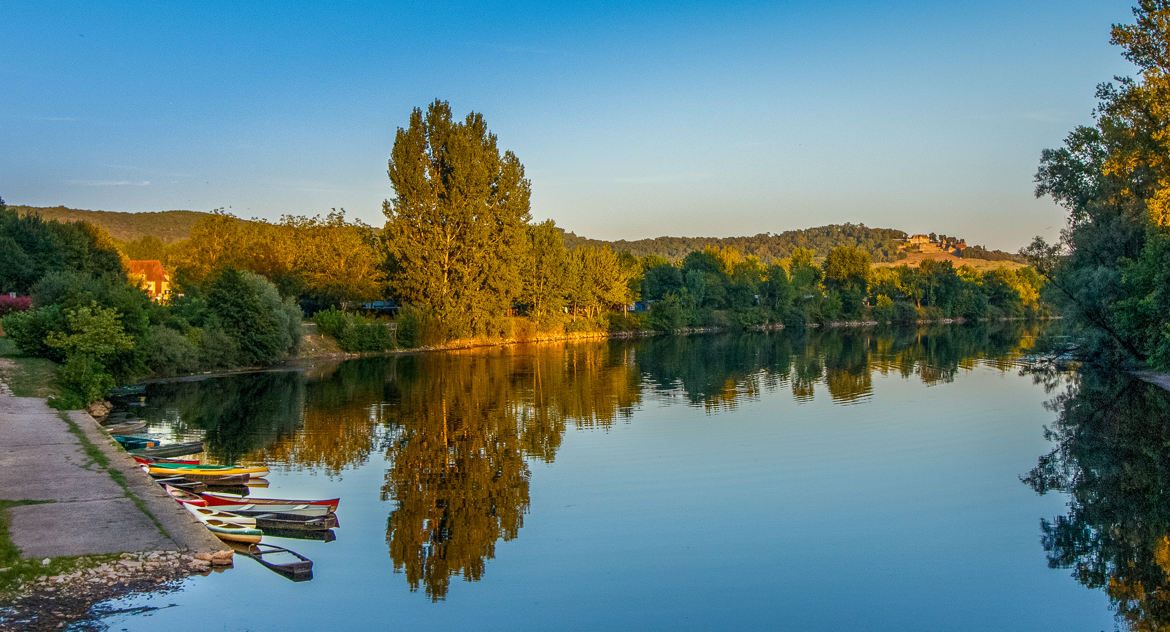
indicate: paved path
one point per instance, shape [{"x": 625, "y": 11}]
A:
[{"x": 40, "y": 459}]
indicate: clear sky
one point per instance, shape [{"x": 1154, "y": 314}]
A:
[{"x": 632, "y": 119}]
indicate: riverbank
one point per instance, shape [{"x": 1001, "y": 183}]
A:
[{"x": 81, "y": 523}]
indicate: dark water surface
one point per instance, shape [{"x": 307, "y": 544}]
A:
[{"x": 822, "y": 481}]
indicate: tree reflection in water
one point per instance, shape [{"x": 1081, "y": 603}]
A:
[
  {"x": 1112, "y": 456},
  {"x": 458, "y": 428}
]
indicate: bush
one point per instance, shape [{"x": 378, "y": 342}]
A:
[
  {"x": 10, "y": 304},
  {"x": 83, "y": 380},
  {"x": 623, "y": 321},
  {"x": 217, "y": 350},
  {"x": 883, "y": 309},
  {"x": 366, "y": 335},
  {"x": 418, "y": 327},
  {"x": 167, "y": 352},
  {"x": 667, "y": 314},
  {"x": 28, "y": 330},
  {"x": 904, "y": 313},
  {"x": 354, "y": 332},
  {"x": 249, "y": 310},
  {"x": 331, "y": 322}
]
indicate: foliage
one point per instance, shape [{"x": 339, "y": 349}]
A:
[
  {"x": 28, "y": 330},
  {"x": 167, "y": 352},
  {"x": 321, "y": 260},
  {"x": 33, "y": 247},
  {"x": 882, "y": 244},
  {"x": 90, "y": 341},
  {"x": 247, "y": 308},
  {"x": 1114, "y": 179},
  {"x": 354, "y": 332},
  {"x": 455, "y": 228},
  {"x": 545, "y": 277},
  {"x": 9, "y": 304}
]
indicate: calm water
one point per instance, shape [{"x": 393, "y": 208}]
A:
[{"x": 826, "y": 481}]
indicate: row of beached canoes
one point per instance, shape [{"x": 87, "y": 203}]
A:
[{"x": 238, "y": 519}]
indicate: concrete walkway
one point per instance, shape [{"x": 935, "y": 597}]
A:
[{"x": 40, "y": 459}]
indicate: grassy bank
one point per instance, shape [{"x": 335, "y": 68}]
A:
[{"x": 26, "y": 376}]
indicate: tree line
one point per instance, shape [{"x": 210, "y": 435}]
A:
[
  {"x": 461, "y": 258},
  {"x": 1110, "y": 270},
  {"x": 85, "y": 313}
]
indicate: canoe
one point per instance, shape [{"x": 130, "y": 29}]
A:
[
  {"x": 183, "y": 484},
  {"x": 184, "y": 497},
  {"x": 183, "y": 469},
  {"x": 204, "y": 513},
  {"x": 299, "y": 568},
  {"x": 126, "y": 428},
  {"x": 171, "y": 449},
  {"x": 292, "y": 522},
  {"x": 152, "y": 459},
  {"x": 274, "y": 505},
  {"x": 135, "y": 442},
  {"x": 232, "y": 531},
  {"x": 207, "y": 479}
]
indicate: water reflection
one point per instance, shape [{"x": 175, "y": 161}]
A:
[
  {"x": 1111, "y": 456},
  {"x": 458, "y": 430}
]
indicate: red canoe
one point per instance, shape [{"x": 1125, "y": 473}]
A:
[{"x": 219, "y": 500}]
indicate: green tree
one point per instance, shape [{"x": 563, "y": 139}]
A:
[
  {"x": 456, "y": 225},
  {"x": 545, "y": 278},
  {"x": 249, "y": 310},
  {"x": 1114, "y": 179},
  {"x": 847, "y": 272}
]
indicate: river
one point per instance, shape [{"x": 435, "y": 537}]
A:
[{"x": 819, "y": 480}]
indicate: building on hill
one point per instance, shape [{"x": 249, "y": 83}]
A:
[
  {"x": 918, "y": 240},
  {"x": 152, "y": 277}
]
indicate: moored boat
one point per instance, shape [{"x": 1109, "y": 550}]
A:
[
  {"x": 185, "y": 469},
  {"x": 299, "y": 568},
  {"x": 171, "y": 449},
  {"x": 208, "y": 479},
  {"x": 150, "y": 459},
  {"x": 204, "y": 513},
  {"x": 214, "y": 499},
  {"x": 274, "y": 505},
  {"x": 135, "y": 442},
  {"x": 184, "y": 497}
]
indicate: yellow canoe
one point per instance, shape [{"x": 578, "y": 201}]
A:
[{"x": 253, "y": 472}]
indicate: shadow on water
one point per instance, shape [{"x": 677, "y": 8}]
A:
[
  {"x": 1111, "y": 454},
  {"x": 459, "y": 429}
]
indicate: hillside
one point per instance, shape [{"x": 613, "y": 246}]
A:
[
  {"x": 882, "y": 244},
  {"x": 169, "y": 226},
  {"x": 885, "y": 245}
]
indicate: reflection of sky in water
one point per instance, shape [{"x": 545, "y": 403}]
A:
[{"x": 760, "y": 504}]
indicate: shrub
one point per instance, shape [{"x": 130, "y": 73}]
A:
[
  {"x": 623, "y": 321},
  {"x": 167, "y": 352},
  {"x": 217, "y": 350},
  {"x": 28, "y": 330},
  {"x": 248, "y": 309},
  {"x": 331, "y": 322},
  {"x": 83, "y": 380},
  {"x": 883, "y": 309},
  {"x": 10, "y": 304},
  {"x": 354, "y": 332},
  {"x": 667, "y": 314},
  {"x": 904, "y": 313},
  {"x": 418, "y": 327}
]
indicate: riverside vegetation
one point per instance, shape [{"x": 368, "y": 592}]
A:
[{"x": 460, "y": 255}]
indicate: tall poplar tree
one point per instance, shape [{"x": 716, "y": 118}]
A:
[{"x": 455, "y": 229}]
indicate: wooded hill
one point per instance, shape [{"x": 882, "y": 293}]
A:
[
  {"x": 168, "y": 226},
  {"x": 882, "y": 244}
]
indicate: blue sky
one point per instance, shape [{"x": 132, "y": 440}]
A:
[{"x": 632, "y": 119}]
